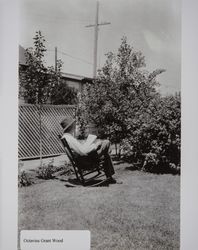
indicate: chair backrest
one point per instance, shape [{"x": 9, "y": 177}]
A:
[
  {"x": 71, "y": 157},
  {"x": 68, "y": 150},
  {"x": 82, "y": 162}
]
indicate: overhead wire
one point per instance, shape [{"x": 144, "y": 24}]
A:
[{"x": 74, "y": 57}]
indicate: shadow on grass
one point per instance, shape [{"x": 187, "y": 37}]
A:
[
  {"x": 132, "y": 168},
  {"x": 90, "y": 183},
  {"x": 117, "y": 160},
  {"x": 137, "y": 166},
  {"x": 155, "y": 170}
]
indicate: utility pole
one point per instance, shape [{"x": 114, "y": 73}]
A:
[
  {"x": 55, "y": 59},
  {"x": 96, "y": 38}
]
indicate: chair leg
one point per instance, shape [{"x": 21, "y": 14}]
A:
[
  {"x": 76, "y": 173},
  {"x": 82, "y": 178},
  {"x": 98, "y": 168}
]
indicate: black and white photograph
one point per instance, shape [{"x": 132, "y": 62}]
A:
[{"x": 99, "y": 121}]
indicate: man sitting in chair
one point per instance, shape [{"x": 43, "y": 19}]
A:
[{"x": 90, "y": 147}]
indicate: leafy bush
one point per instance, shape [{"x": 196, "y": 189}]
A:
[
  {"x": 151, "y": 161},
  {"x": 39, "y": 83},
  {"x": 122, "y": 88},
  {"x": 49, "y": 171},
  {"x": 23, "y": 179},
  {"x": 46, "y": 171},
  {"x": 155, "y": 138},
  {"x": 63, "y": 94},
  {"x": 174, "y": 169},
  {"x": 65, "y": 169},
  {"x": 126, "y": 108}
]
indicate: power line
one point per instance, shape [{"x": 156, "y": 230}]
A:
[{"x": 76, "y": 58}]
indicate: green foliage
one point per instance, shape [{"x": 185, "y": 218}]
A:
[
  {"x": 34, "y": 81},
  {"x": 66, "y": 169},
  {"x": 151, "y": 161},
  {"x": 125, "y": 106},
  {"x": 46, "y": 171},
  {"x": 40, "y": 84},
  {"x": 49, "y": 171},
  {"x": 155, "y": 140},
  {"x": 82, "y": 116},
  {"x": 123, "y": 87},
  {"x": 23, "y": 179},
  {"x": 63, "y": 94}
]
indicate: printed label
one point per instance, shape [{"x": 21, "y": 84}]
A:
[{"x": 55, "y": 240}]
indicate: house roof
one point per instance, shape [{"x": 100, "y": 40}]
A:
[
  {"x": 22, "y": 58},
  {"x": 22, "y": 61},
  {"x": 76, "y": 77}
]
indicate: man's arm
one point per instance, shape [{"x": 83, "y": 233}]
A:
[
  {"x": 90, "y": 139},
  {"x": 77, "y": 147}
]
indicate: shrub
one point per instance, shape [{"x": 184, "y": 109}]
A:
[
  {"x": 154, "y": 140},
  {"x": 65, "y": 169},
  {"x": 150, "y": 162},
  {"x": 122, "y": 88},
  {"x": 63, "y": 94},
  {"x": 49, "y": 171},
  {"x": 23, "y": 179},
  {"x": 126, "y": 108},
  {"x": 174, "y": 169},
  {"x": 46, "y": 171}
]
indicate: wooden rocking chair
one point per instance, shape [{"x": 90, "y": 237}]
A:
[{"x": 88, "y": 169}]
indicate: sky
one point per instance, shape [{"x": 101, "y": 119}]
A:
[{"x": 151, "y": 26}]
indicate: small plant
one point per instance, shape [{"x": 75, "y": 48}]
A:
[
  {"x": 68, "y": 169},
  {"x": 65, "y": 169},
  {"x": 174, "y": 169},
  {"x": 46, "y": 171},
  {"x": 150, "y": 162},
  {"x": 23, "y": 179}
]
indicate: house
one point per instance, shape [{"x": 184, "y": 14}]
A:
[
  {"x": 75, "y": 81},
  {"x": 72, "y": 80},
  {"x": 52, "y": 115}
]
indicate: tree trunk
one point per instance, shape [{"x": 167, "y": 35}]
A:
[
  {"x": 119, "y": 154},
  {"x": 116, "y": 149}
]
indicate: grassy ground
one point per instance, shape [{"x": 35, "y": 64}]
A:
[{"x": 142, "y": 213}]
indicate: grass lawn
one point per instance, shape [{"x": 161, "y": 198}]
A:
[{"x": 142, "y": 213}]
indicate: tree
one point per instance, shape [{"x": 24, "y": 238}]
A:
[
  {"x": 155, "y": 139},
  {"x": 63, "y": 94},
  {"x": 60, "y": 93},
  {"x": 35, "y": 79},
  {"x": 123, "y": 88},
  {"x": 38, "y": 83},
  {"x": 125, "y": 106},
  {"x": 35, "y": 84}
]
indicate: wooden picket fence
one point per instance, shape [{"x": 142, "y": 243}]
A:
[{"x": 29, "y": 136}]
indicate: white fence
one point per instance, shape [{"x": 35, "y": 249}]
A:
[{"x": 29, "y": 135}]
